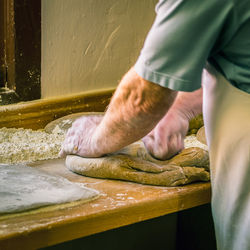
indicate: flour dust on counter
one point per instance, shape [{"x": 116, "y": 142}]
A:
[
  {"x": 23, "y": 188},
  {"x": 26, "y": 145}
]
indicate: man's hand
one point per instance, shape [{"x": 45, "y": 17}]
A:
[
  {"x": 80, "y": 137},
  {"x": 167, "y": 138}
]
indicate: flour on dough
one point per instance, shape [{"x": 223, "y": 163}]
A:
[
  {"x": 192, "y": 141},
  {"x": 23, "y": 188}
]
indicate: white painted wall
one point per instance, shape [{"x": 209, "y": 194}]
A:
[{"x": 90, "y": 44}]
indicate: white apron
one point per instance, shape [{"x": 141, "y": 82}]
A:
[{"x": 226, "y": 111}]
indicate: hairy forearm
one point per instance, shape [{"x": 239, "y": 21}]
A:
[{"x": 136, "y": 107}]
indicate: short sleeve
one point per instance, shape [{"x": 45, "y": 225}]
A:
[{"x": 180, "y": 41}]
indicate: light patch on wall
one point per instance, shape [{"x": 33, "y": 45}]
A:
[{"x": 89, "y": 45}]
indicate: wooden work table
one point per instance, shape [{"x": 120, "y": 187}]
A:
[{"x": 120, "y": 203}]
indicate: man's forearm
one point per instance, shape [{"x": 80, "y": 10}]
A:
[{"x": 136, "y": 107}]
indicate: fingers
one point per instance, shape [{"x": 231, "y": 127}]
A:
[
  {"x": 158, "y": 149},
  {"x": 69, "y": 146},
  {"x": 71, "y": 142},
  {"x": 174, "y": 146},
  {"x": 62, "y": 153},
  {"x": 167, "y": 138},
  {"x": 78, "y": 137},
  {"x": 163, "y": 147}
]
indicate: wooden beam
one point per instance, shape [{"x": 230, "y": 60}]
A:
[
  {"x": 20, "y": 49},
  {"x": 2, "y": 47},
  {"x": 36, "y": 114},
  {"x": 27, "y": 16}
]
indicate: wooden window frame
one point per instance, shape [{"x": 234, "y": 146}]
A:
[{"x": 20, "y": 50}]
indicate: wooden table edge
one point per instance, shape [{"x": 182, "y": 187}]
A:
[{"x": 78, "y": 227}]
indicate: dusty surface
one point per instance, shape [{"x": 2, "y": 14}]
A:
[{"x": 26, "y": 145}]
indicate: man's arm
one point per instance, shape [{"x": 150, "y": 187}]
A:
[
  {"x": 136, "y": 107},
  {"x": 167, "y": 138}
]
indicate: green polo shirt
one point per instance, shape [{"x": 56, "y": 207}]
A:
[{"x": 188, "y": 33}]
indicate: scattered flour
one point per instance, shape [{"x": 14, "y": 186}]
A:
[
  {"x": 191, "y": 141},
  {"x": 26, "y": 145},
  {"x": 66, "y": 122}
]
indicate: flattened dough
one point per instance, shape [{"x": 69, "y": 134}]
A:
[
  {"x": 23, "y": 188},
  {"x": 133, "y": 163},
  {"x": 65, "y": 122}
]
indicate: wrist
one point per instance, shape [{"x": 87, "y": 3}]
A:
[
  {"x": 96, "y": 143},
  {"x": 188, "y": 104},
  {"x": 184, "y": 112}
]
